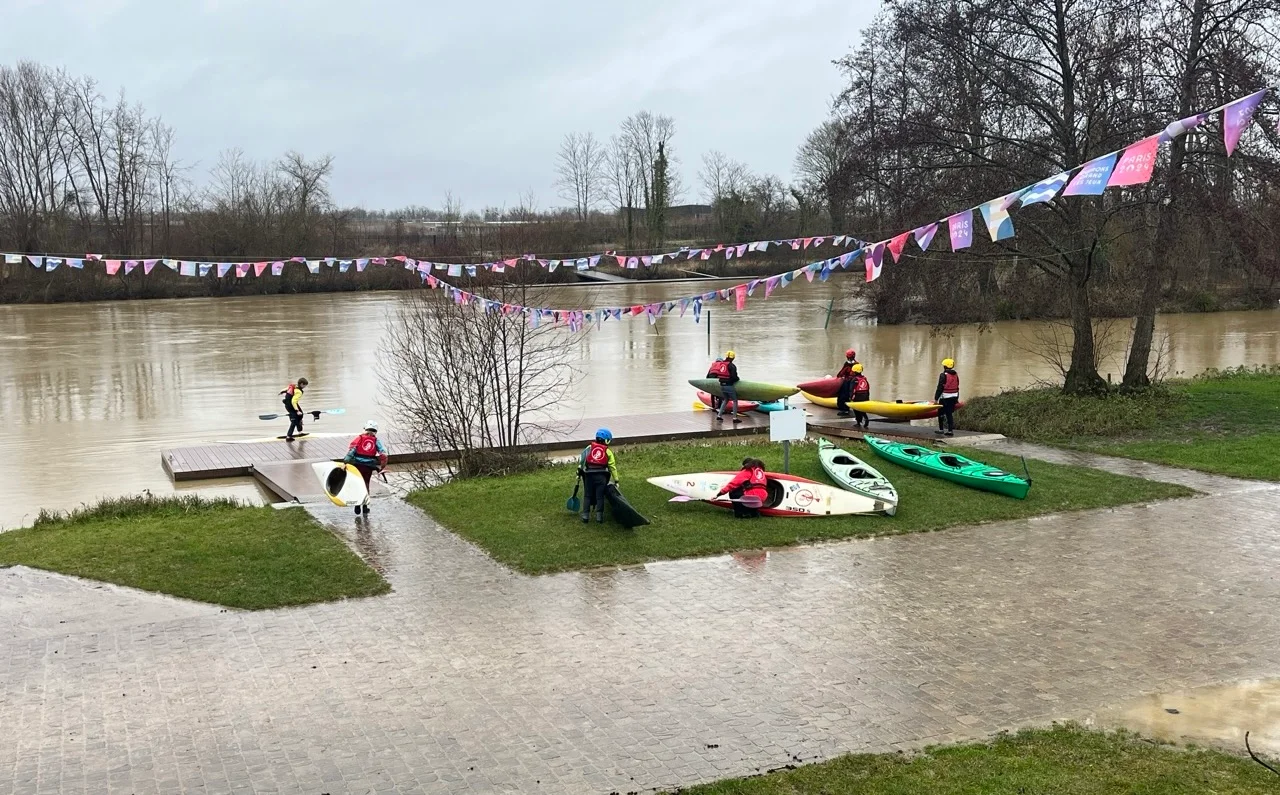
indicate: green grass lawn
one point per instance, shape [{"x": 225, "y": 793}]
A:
[
  {"x": 208, "y": 550},
  {"x": 1223, "y": 422},
  {"x": 521, "y": 519},
  {"x": 1063, "y": 760}
]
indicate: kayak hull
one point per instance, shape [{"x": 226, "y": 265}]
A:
[
  {"x": 853, "y": 474},
  {"x": 789, "y": 495},
  {"x": 343, "y": 484},
  {"x": 743, "y": 405},
  {"x": 952, "y": 467},
  {"x": 822, "y": 387},
  {"x": 621, "y": 510},
  {"x": 911, "y": 410},
  {"x": 747, "y": 390}
]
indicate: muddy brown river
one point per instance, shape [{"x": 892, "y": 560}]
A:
[{"x": 90, "y": 394}]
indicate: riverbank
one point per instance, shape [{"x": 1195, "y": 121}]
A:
[
  {"x": 1220, "y": 421},
  {"x": 209, "y": 550},
  {"x": 1062, "y": 759},
  {"x": 522, "y": 522}
]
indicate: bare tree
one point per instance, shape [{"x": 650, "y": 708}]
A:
[
  {"x": 724, "y": 181},
  {"x": 306, "y": 182},
  {"x": 478, "y": 380},
  {"x": 624, "y": 182},
  {"x": 33, "y": 177},
  {"x": 580, "y": 171},
  {"x": 822, "y": 165}
]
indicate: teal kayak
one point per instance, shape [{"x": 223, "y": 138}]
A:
[
  {"x": 755, "y": 391},
  {"x": 853, "y": 474},
  {"x": 952, "y": 467}
]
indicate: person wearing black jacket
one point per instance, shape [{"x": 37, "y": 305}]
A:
[
  {"x": 948, "y": 395},
  {"x": 728, "y": 388}
]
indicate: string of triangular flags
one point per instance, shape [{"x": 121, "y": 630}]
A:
[
  {"x": 113, "y": 266},
  {"x": 1132, "y": 165}
]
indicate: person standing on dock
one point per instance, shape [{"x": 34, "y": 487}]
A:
[
  {"x": 861, "y": 392},
  {"x": 718, "y": 369},
  {"x": 293, "y": 407},
  {"x": 596, "y": 467},
  {"x": 728, "y": 388},
  {"x": 368, "y": 455},
  {"x": 846, "y": 383},
  {"x": 948, "y": 395}
]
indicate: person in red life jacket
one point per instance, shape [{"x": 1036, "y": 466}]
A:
[
  {"x": 751, "y": 483},
  {"x": 292, "y": 395},
  {"x": 861, "y": 392},
  {"x": 718, "y": 369},
  {"x": 846, "y": 383},
  {"x": 947, "y": 394},
  {"x": 368, "y": 455},
  {"x": 596, "y": 467},
  {"x": 727, "y": 372}
]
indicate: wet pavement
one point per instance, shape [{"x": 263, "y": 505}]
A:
[{"x": 471, "y": 677}]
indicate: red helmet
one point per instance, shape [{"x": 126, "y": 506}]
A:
[{"x": 851, "y": 354}]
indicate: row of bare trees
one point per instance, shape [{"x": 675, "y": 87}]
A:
[{"x": 960, "y": 104}]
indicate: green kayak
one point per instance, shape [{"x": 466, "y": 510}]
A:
[
  {"x": 853, "y": 474},
  {"x": 755, "y": 391},
  {"x": 952, "y": 467}
]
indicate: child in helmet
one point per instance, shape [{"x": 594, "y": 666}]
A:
[
  {"x": 846, "y": 383},
  {"x": 947, "y": 394},
  {"x": 368, "y": 455},
  {"x": 292, "y": 395},
  {"x": 596, "y": 467},
  {"x": 861, "y": 392},
  {"x": 727, "y": 371}
]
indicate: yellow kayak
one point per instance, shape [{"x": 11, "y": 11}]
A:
[{"x": 919, "y": 410}]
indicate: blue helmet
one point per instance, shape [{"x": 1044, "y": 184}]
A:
[{"x": 604, "y": 435}]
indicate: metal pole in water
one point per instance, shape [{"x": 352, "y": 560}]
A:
[
  {"x": 830, "y": 306},
  {"x": 708, "y": 332}
]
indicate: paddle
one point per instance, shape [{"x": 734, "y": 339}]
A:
[
  {"x": 314, "y": 414},
  {"x": 747, "y": 501},
  {"x": 1025, "y": 471},
  {"x": 573, "y": 504}
]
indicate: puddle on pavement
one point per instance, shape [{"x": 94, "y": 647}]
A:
[{"x": 1218, "y": 715}]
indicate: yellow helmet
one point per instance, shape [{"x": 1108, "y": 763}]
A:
[
  {"x": 948, "y": 362},
  {"x": 729, "y": 354},
  {"x": 857, "y": 368}
]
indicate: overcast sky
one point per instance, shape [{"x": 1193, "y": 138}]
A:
[{"x": 415, "y": 98}]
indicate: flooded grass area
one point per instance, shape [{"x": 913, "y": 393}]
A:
[
  {"x": 1064, "y": 760},
  {"x": 1218, "y": 715},
  {"x": 521, "y": 520},
  {"x": 1221, "y": 422},
  {"x": 208, "y": 550}
]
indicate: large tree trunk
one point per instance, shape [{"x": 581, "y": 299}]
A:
[{"x": 1082, "y": 376}]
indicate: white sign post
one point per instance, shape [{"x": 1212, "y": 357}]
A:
[{"x": 786, "y": 426}]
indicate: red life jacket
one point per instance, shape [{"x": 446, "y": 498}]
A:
[
  {"x": 367, "y": 445},
  {"x": 598, "y": 456},
  {"x": 950, "y": 382},
  {"x": 757, "y": 481},
  {"x": 288, "y": 393},
  {"x": 719, "y": 369},
  {"x": 860, "y": 383}
]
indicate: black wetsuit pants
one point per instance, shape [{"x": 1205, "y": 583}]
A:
[
  {"x": 593, "y": 486},
  {"x": 844, "y": 396},
  {"x": 295, "y": 422},
  {"x": 947, "y": 416}
]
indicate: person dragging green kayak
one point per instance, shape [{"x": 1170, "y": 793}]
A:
[
  {"x": 292, "y": 395},
  {"x": 727, "y": 372},
  {"x": 596, "y": 467},
  {"x": 948, "y": 395}
]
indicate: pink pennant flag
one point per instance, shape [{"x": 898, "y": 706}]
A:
[
  {"x": 148, "y": 265},
  {"x": 242, "y": 269},
  {"x": 728, "y": 252},
  {"x": 875, "y": 262},
  {"x": 379, "y": 260},
  {"x": 808, "y": 274},
  {"x": 740, "y": 297},
  {"x": 771, "y": 284},
  {"x": 706, "y": 253},
  {"x": 807, "y": 242},
  {"x": 897, "y": 244},
  {"x": 1236, "y": 118},
  {"x": 1136, "y": 163},
  {"x": 129, "y": 265},
  {"x": 961, "y": 228},
  {"x": 260, "y": 267},
  {"x": 924, "y": 235},
  {"x": 113, "y": 266},
  {"x": 795, "y": 244},
  {"x": 817, "y": 241},
  {"x": 277, "y": 268},
  {"x": 742, "y": 249},
  {"x": 646, "y": 261}
]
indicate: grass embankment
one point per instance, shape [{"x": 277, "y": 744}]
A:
[
  {"x": 1064, "y": 760},
  {"x": 208, "y": 550},
  {"x": 1220, "y": 421},
  {"x": 521, "y": 519}
]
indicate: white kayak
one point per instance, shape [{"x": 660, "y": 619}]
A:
[
  {"x": 343, "y": 483},
  {"x": 789, "y": 495}
]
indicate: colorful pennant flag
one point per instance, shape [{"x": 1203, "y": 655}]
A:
[
  {"x": 1236, "y": 118},
  {"x": 897, "y": 244},
  {"x": 924, "y": 235},
  {"x": 875, "y": 262},
  {"x": 1181, "y": 126},
  {"x": 961, "y": 228},
  {"x": 995, "y": 214},
  {"x": 1044, "y": 190},
  {"x": 1136, "y": 163},
  {"x": 1092, "y": 179}
]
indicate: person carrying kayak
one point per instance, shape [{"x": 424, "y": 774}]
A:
[
  {"x": 846, "y": 383},
  {"x": 861, "y": 392},
  {"x": 947, "y": 394},
  {"x": 596, "y": 467},
  {"x": 368, "y": 455},
  {"x": 292, "y": 395},
  {"x": 750, "y": 484},
  {"x": 727, "y": 372},
  {"x": 717, "y": 368}
]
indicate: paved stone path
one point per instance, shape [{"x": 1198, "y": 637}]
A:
[{"x": 470, "y": 677}]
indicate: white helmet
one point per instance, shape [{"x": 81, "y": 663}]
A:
[{"x": 371, "y": 425}]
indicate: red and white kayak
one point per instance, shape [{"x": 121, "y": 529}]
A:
[
  {"x": 821, "y": 387},
  {"x": 789, "y": 495},
  {"x": 743, "y": 405}
]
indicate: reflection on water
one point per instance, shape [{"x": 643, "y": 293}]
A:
[
  {"x": 1217, "y": 715},
  {"x": 91, "y": 393}
]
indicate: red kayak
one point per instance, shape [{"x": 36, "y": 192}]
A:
[
  {"x": 822, "y": 387},
  {"x": 743, "y": 405}
]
